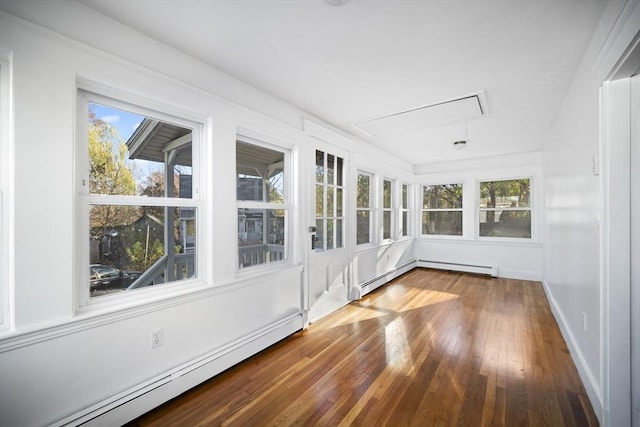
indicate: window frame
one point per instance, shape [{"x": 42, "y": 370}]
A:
[
  {"x": 460, "y": 236},
  {"x": 388, "y": 210},
  {"x": 531, "y": 209},
  {"x": 337, "y": 189},
  {"x": 6, "y": 191},
  {"x": 252, "y": 204},
  {"x": 87, "y": 93},
  {"x": 369, "y": 209},
  {"x": 404, "y": 209}
]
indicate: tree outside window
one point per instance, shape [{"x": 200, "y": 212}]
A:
[
  {"x": 442, "y": 210},
  {"x": 505, "y": 208},
  {"x": 363, "y": 209}
]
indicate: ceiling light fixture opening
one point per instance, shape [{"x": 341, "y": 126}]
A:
[
  {"x": 459, "y": 145},
  {"x": 336, "y": 3}
]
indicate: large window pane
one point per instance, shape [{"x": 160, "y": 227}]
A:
[
  {"x": 513, "y": 193},
  {"x": 386, "y": 225},
  {"x": 448, "y": 196},
  {"x": 363, "y": 209},
  {"x": 364, "y": 191},
  {"x": 261, "y": 236},
  {"x": 386, "y": 195},
  {"x": 442, "y": 223},
  {"x": 509, "y": 223},
  {"x": 262, "y": 204},
  {"x": 442, "y": 210},
  {"x": 505, "y": 208},
  {"x": 260, "y": 173},
  {"x": 130, "y": 242},
  {"x": 363, "y": 227},
  {"x": 125, "y": 160}
]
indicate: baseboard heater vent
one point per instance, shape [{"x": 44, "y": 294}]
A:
[
  {"x": 376, "y": 282},
  {"x": 467, "y": 268}
]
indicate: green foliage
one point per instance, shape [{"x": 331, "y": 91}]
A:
[
  {"x": 109, "y": 173},
  {"x": 364, "y": 191},
  {"x": 141, "y": 256},
  {"x": 447, "y": 196}
]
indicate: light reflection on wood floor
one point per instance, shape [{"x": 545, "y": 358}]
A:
[{"x": 430, "y": 348}]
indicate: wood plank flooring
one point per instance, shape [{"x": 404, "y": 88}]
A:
[{"x": 431, "y": 348}]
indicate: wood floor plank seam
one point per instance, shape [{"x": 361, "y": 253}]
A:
[{"x": 430, "y": 348}]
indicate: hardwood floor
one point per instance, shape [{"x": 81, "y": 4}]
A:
[{"x": 431, "y": 348}]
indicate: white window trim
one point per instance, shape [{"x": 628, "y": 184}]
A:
[
  {"x": 532, "y": 208},
  {"x": 91, "y": 92},
  {"x": 402, "y": 209},
  {"x": 287, "y": 260},
  {"x": 370, "y": 209},
  {"x": 6, "y": 194},
  {"x": 423, "y": 210},
  {"x": 391, "y": 210}
]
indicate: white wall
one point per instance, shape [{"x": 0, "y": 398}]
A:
[
  {"x": 574, "y": 266},
  {"x": 514, "y": 258}
]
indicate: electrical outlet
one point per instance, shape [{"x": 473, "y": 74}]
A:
[
  {"x": 584, "y": 321},
  {"x": 156, "y": 338}
]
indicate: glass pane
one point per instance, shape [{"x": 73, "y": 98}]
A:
[
  {"x": 319, "y": 201},
  {"x": 448, "y": 196},
  {"x": 364, "y": 191},
  {"x": 259, "y": 173},
  {"x": 362, "y": 227},
  {"x": 330, "y": 169},
  {"x": 330, "y": 201},
  {"x": 405, "y": 196},
  {"x": 261, "y": 236},
  {"x": 386, "y": 225},
  {"x": 319, "y": 234},
  {"x": 386, "y": 197},
  {"x": 127, "y": 155},
  {"x": 514, "y": 193},
  {"x": 505, "y": 223},
  {"x": 339, "y": 202},
  {"x": 339, "y": 233},
  {"x": 319, "y": 166},
  {"x": 128, "y": 248},
  {"x": 330, "y": 234},
  {"x": 405, "y": 225},
  {"x": 442, "y": 223},
  {"x": 339, "y": 171}
]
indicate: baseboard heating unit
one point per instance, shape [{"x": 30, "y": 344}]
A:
[
  {"x": 467, "y": 268},
  {"x": 376, "y": 282}
]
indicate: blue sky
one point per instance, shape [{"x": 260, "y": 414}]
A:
[{"x": 125, "y": 122}]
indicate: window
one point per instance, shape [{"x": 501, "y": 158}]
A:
[
  {"x": 387, "y": 209},
  {"x": 505, "y": 208},
  {"x": 442, "y": 210},
  {"x": 404, "y": 210},
  {"x": 262, "y": 204},
  {"x": 329, "y": 202},
  {"x": 136, "y": 193},
  {"x": 363, "y": 209}
]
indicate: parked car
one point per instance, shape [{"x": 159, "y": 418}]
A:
[{"x": 106, "y": 276}]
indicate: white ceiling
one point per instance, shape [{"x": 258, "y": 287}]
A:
[{"x": 373, "y": 58}]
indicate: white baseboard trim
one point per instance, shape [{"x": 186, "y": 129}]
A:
[
  {"x": 382, "y": 279},
  {"x": 144, "y": 397},
  {"x": 588, "y": 379},
  {"x": 454, "y": 266},
  {"x": 534, "y": 276}
]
